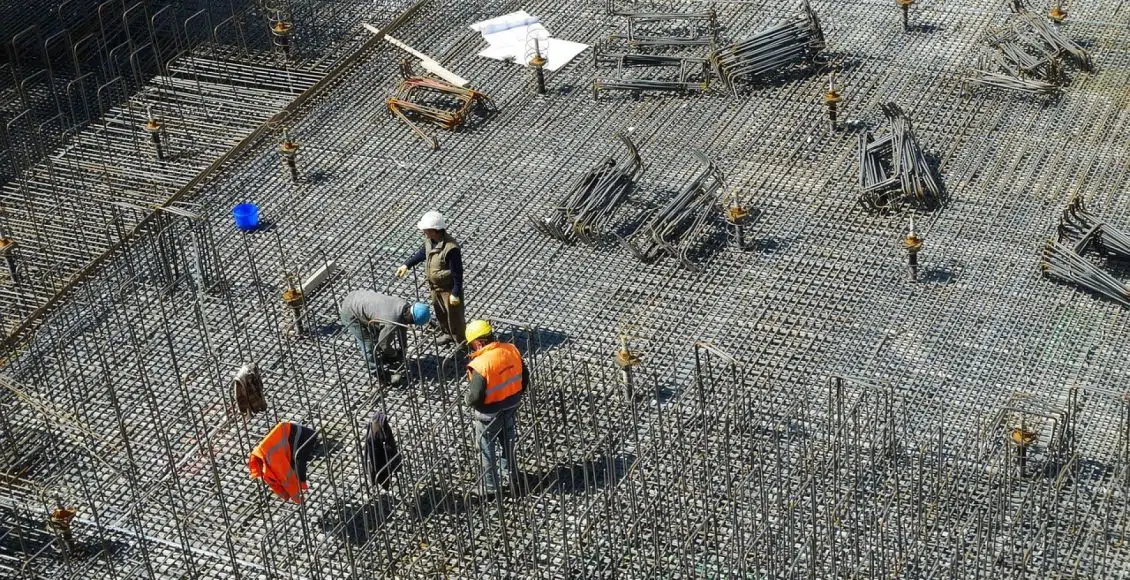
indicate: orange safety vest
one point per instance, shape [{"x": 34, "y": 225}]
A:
[
  {"x": 272, "y": 460},
  {"x": 501, "y": 365}
]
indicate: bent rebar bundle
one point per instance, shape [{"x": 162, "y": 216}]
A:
[
  {"x": 593, "y": 199},
  {"x": 1079, "y": 231},
  {"x": 434, "y": 101},
  {"x": 673, "y": 229},
  {"x": 893, "y": 171},
  {"x": 667, "y": 29},
  {"x": 1027, "y": 55},
  {"x": 785, "y": 45},
  {"x": 684, "y": 73}
]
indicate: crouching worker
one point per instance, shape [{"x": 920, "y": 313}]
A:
[{"x": 379, "y": 324}]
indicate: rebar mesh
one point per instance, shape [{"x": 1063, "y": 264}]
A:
[{"x": 793, "y": 407}]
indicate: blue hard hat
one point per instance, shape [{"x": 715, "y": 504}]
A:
[{"x": 421, "y": 313}]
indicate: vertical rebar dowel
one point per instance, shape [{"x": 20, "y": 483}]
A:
[
  {"x": 832, "y": 100},
  {"x": 289, "y": 150},
  {"x": 913, "y": 244},
  {"x": 904, "y": 6},
  {"x": 538, "y": 63},
  {"x": 1057, "y": 14},
  {"x": 155, "y": 129}
]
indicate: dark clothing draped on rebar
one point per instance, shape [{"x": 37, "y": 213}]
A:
[
  {"x": 382, "y": 458},
  {"x": 303, "y": 440},
  {"x": 248, "y": 390}
]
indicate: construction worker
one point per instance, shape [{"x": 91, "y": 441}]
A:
[
  {"x": 379, "y": 322},
  {"x": 443, "y": 268},
  {"x": 496, "y": 379},
  {"x": 60, "y": 524}
]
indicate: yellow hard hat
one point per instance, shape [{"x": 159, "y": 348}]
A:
[{"x": 477, "y": 329}]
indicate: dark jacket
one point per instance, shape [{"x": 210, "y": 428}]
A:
[
  {"x": 303, "y": 440},
  {"x": 382, "y": 458},
  {"x": 248, "y": 390}
]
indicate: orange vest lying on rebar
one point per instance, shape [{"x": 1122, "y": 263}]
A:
[
  {"x": 272, "y": 460},
  {"x": 501, "y": 365}
]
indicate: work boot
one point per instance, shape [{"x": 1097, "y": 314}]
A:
[
  {"x": 395, "y": 380},
  {"x": 444, "y": 340}
]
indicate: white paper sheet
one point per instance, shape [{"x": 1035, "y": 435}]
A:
[
  {"x": 561, "y": 52},
  {"x": 508, "y": 35},
  {"x": 519, "y": 18}
]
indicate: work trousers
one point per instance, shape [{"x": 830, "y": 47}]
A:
[
  {"x": 366, "y": 337},
  {"x": 500, "y": 431},
  {"x": 451, "y": 319}
]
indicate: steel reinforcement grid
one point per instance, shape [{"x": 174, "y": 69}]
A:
[{"x": 795, "y": 405}]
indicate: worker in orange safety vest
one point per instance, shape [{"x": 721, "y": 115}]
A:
[
  {"x": 280, "y": 459},
  {"x": 496, "y": 378}
]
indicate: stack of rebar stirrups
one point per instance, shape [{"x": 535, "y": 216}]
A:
[
  {"x": 1027, "y": 54},
  {"x": 893, "y": 170},
  {"x": 593, "y": 199},
  {"x": 674, "y": 228},
  {"x": 1066, "y": 258},
  {"x": 660, "y": 51},
  {"x": 436, "y": 102},
  {"x": 777, "y": 49},
  {"x": 685, "y": 47}
]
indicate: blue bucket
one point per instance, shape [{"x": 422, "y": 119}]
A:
[{"x": 246, "y": 216}]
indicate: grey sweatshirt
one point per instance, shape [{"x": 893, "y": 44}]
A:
[{"x": 364, "y": 306}]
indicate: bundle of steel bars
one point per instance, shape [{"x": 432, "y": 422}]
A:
[
  {"x": 988, "y": 78},
  {"x": 674, "y": 228},
  {"x": 774, "y": 50},
  {"x": 1065, "y": 263},
  {"x": 593, "y": 200},
  {"x": 1027, "y": 54},
  {"x": 893, "y": 171},
  {"x": 1083, "y": 228},
  {"x": 668, "y": 29},
  {"x": 689, "y": 73},
  {"x": 1065, "y": 258},
  {"x": 437, "y": 102}
]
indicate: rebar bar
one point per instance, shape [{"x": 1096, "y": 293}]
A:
[
  {"x": 795, "y": 409},
  {"x": 674, "y": 228},
  {"x": 666, "y": 29},
  {"x": 685, "y": 73},
  {"x": 1079, "y": 231},
  {"x": 893, "y": 170},
  {"x": 437, "y": 102},
  {"x": 593, "y": 200},
  {"x": 773, "y": 50}
]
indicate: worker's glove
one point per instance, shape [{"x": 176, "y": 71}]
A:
[
  {"x": 402, "y": 271},
  {"x": 455, "y": 301}
]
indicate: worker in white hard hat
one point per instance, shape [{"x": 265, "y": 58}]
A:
[
  {"x": 443, "y": 268},
  {"x": 496, "y": 380}
]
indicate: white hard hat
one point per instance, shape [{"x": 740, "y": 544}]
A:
[{"x": 433, "y": 220}]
